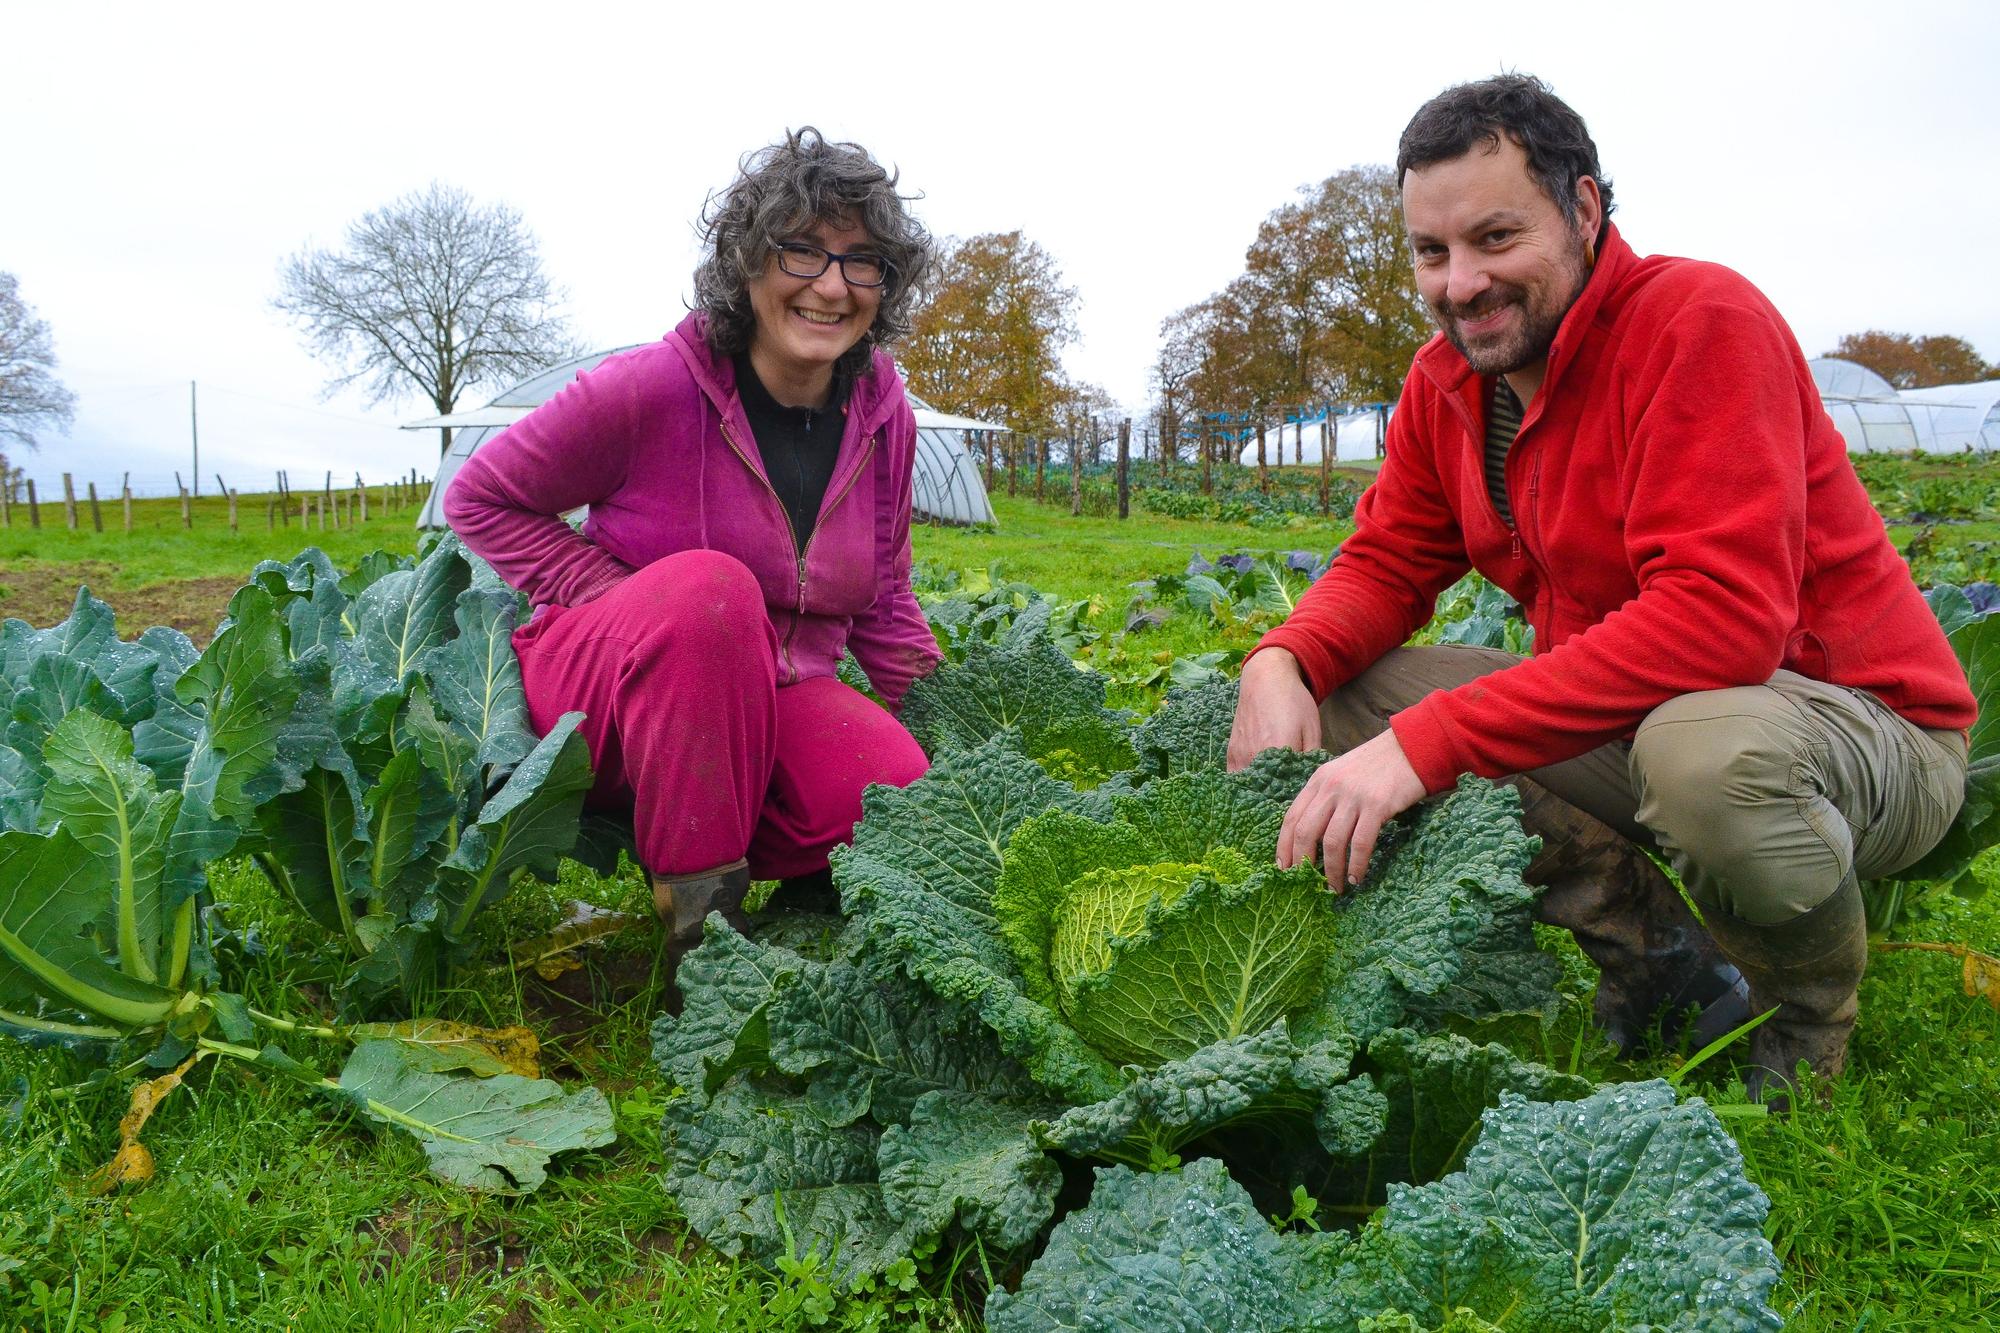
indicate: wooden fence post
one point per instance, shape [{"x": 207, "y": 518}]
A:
[
  {"x": 1326, "y": 463},
  {"x": 326, "y": 494},
  {"x": 69, "y": 502},
  {"x": 1206, "y": 443},
  {"x": 271, "y": 513},
  {"x": 96, "y": 515},
  {"x": 187, "y": 515},
  {"x": 232, "y": 508},
  {"x": 34, "y": 508},
  {"x": 305, "y": 510},
  {"x": 1263, "y": 469},
  {"x": 1075, "y": 477},
  {"x": 1125, "y": 468},
  {"x": 125, "y": 493},
  {"x": 360, "y": 499},
  {"x": 7, "y": 502},
  {"x": 221, "y": 486}
]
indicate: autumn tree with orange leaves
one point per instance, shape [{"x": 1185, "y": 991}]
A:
[
  {"x": 1325, "y": 308},
  {"x": 1916, "y": 363},
  {"x": 988, "y": 338}
]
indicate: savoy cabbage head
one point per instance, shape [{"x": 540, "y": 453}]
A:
[{"x": 1034, "y": 973}]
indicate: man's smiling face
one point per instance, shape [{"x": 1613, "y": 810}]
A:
[{"x": 1496, "y": 261}]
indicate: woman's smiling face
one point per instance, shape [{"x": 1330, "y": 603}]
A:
[{"x": 805, "y": 324}]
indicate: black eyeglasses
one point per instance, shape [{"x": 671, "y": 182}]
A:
[{"x": 809, "y": 261}]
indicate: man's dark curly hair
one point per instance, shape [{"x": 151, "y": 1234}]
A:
[
  {"x": 780, "y": 192},
  {"x": 1524, "y": 109}
]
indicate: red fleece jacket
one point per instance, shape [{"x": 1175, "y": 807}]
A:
[{"x": 1686, "y": 519}]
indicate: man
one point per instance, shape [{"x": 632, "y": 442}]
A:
[{"x": 1731, "y": 662}]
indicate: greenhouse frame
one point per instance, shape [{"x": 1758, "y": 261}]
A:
[{"x": 948, "y": 488}]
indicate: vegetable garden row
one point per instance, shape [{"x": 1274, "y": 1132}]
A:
[{"x": 1072, "y": 1017}]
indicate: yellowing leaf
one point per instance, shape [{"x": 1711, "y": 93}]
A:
[
  {"x": 132, "y": 1164},
  {"x": 439, "y": 1045},
  {"x": 550, "y": 969},
  {"x": 1982, "y": 977},
  {"x": 549, "y": 954},
  {"x": 1982, "y": 970}
]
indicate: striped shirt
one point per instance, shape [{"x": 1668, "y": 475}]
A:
[{"x": 1503, "y": 423}]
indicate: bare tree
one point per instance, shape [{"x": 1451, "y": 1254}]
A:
[
  {"x": 433, "y": 292},
  {"x": 31, "y": 397}
]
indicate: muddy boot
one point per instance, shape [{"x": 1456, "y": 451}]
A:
[
  {"x": 683, "y": 902},
  {"x": 1808, "y": 969},
  {"x": 1628, "y": 918},
  {"x": 810, "y": 892}
]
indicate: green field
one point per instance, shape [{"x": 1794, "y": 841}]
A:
[{"x": 271, "y": 1209}]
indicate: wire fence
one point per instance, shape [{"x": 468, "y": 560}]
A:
[{"x": 80, "y": 506}]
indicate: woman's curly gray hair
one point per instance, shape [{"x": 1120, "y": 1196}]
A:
[{"x": 779, "y": 193}]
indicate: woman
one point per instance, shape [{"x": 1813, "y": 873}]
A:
[{"x": 748, "y": 478}]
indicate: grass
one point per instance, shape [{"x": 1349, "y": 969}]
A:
[{"x": 274, "y": 1209}]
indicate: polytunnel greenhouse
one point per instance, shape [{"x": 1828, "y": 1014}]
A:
[
  {"x": 1876, "y": 417},
  {"x": 947, "y": 486}
]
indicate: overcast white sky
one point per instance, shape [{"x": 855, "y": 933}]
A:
[{"x": 163, "y": 159}]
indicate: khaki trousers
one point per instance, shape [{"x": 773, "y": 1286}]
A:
[{"x": 1764, "y": 798}]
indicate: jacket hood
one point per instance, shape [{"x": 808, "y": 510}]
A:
[{"x": 875, "y": 398}]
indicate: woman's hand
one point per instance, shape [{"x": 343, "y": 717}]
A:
[
  {"x": 1341, "y": 809},
  {"x": 1274, "y": 709}
]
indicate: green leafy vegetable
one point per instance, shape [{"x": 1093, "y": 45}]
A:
[{"x": 494, "y": 1133}]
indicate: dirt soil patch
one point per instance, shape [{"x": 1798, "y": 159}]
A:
[{"x": 43, "y": 595}]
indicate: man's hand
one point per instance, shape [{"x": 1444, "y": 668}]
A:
[
  {"x": 1343, "y": 806},
  {"x": 1274, "y": 709}
]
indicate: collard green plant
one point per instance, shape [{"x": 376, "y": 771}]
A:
[
  {"x": 129, "y": 768},
  {"x": 422, "y": 794}
]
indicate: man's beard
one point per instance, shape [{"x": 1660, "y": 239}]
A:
[{"x": 1528, "y": 343}]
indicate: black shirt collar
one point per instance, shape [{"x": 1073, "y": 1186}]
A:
[{"x": 757, "y": 400}]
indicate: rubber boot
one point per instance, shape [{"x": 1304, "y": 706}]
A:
[
  {"x": 1627, "y": 917},
  {"x": 1808, "y": 969},
  {"x": 683, "y": 902}
]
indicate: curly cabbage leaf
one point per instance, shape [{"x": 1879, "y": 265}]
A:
[
  {"x": 921, "y": 875},
  {"x": 1181, "y": 1250},
  {"x": 968, "y": 1158},
  {"x": 829, "y": 1056},
  {"x": 1442, "y": 880},
  {"x": 758, "y": 1173},
  {"x": 1023, "y": 681},
  {"x": 1435, "y": 1089},
  {"x": 1189, "y": 732},
  {"x": 1264, "y": 1076},
  {"x": 1622, "y": 1211}
]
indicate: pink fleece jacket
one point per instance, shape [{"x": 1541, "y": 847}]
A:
[{"x": 655, "y": 441}]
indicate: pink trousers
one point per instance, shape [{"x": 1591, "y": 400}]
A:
[{"x": 676, "y": 670}]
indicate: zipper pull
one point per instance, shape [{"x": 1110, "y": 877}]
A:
[
  {"x": 1517, "y": 544},
  {"x": 802, "y": 583}
]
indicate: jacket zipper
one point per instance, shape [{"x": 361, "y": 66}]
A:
[
  {"x": 785, "y": 644},
  {"x": 860, "y": 465}
]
